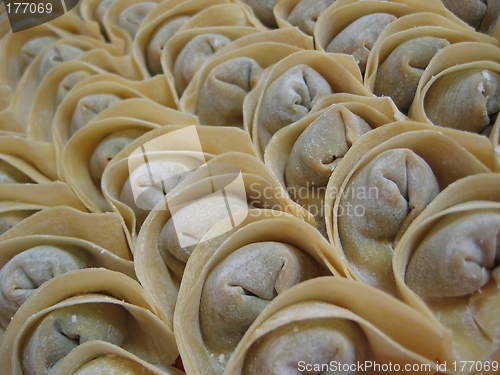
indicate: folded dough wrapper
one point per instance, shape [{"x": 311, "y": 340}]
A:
[
  {"x": 394, "y": 67},
  {"x": 289, "y": 89},
  {"x": 303, "y": 155},
  {"x": 324, "y": 320},
  {"x": 453, "y": 74},
  {"x": 116, "y": 185},
  {"x": 300, "y": 13},
  {"x": 104, "y": 137},
  {"x": 102, "y": 229},
  {"x": 453, "y": 246},
  {"x": 482, "y": 16},
  {"x": 92, "y": 304},
  {"x": 103, "y": 357},
  {"x": 27, "y": 157},
  {"x": 18, "y": 50},
  {"x": 217, "y": 91},
  {"x": 101, "y": 91},
  {"x": 195, "y": 205},
  {"x": 39, "y": 196},
  {"x": 29, "y": 261},
  {"x": 61, "y": 50},
  {"x": 376, "y": 191},
  {"x": 231, "y": 278},
  {"x": 351, "y": 26},
  {"x": 187, "y": 50},
  {"x": 19, "y": 201},
  {"x": 123, "y": 19},
  {"x": 166, "y": 19}
]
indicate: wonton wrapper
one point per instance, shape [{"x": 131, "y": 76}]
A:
[
  {"x": 217, "y": 91},
  {"x": 18, "y": 202},
  {"x": 169, "y": 17},
  {"x": 213, "y": 141},
  {"x": 104, "y": 137},
  {"x": 330, "y": 73},
  {"x": 300, "y": 13},
  {"x": 446, "y": 99},
  {"x": 370, "y": 201},
  {"x": 50, "y": 194},
  {"x": 103, "y": 357},
  {"x": 344, "y": 14},
  {"x": 31, "y": 158},
  {"x": 259, "y": 226},
  {"x": 325, "y": 320},
  {"x": 59, "y": 82},
  {"x": 263, "y": 10},
  {"x": 64, "y": 49},
  {"x": 158, "y": 237},
  {"x": 93, "y": 11},
  {"x": 143, "y": 334},
  {"x": 302, "y": 155},
  {"x": 102, "y": 229},
  {"x": 495, "y": 140},
  {"x": 31, "y": 269},
  {"x": 187, "y": 50},
  {"x": 18, "y": 50},
  {"x": 4, "y": 23},
  {"x": 65, "y": 122},
  {"x": 481, "y": 15},
  {"x": 123, "y": 19},
  {"x": 464, "y": 296},
  {"x": 95, "y": 94},
  {"x": 397, "y": 60}
]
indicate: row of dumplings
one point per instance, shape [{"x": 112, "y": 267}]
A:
[{"x": 365, "y": 134}]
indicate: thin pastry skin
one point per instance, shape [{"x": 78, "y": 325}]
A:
[
  {"x": 186, "y": 52},
  {"x": 106, "y": 306},
  {"x": 306, "y": 12},
  {"x": 306, "y": 330},
  {"x": 358, "y": 38},
  {"x": 376, "y": 198},
  {"x": 107, "y": 149},
  {"x": 243, "y": 187},
  {"x": 221, "y": 97},
  {"x": 460, "y": 91},
  {"x": 481, "y": 15},
  {"x": 289, "y": 89},
  {"x": 464, "y": 100},
  {"x": 230, "y": 279},
  {"x": 22, "y": 274},
  {"x": 218, "y": 90},
  {"x": 192, "y": 56},
  {"x": 451, "y": 271},
  {"x": 303, "y": 86},
  {"x": 462, "y": 277},
  {"x": 399, "y": 74},
  {"x": 105, "y": 137},
  {"x": 303, "y": 155},
  {"x": 393, "y": 197},
  {"x": 66, "y": 328},
  {"x": 239, "y": 299}
]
